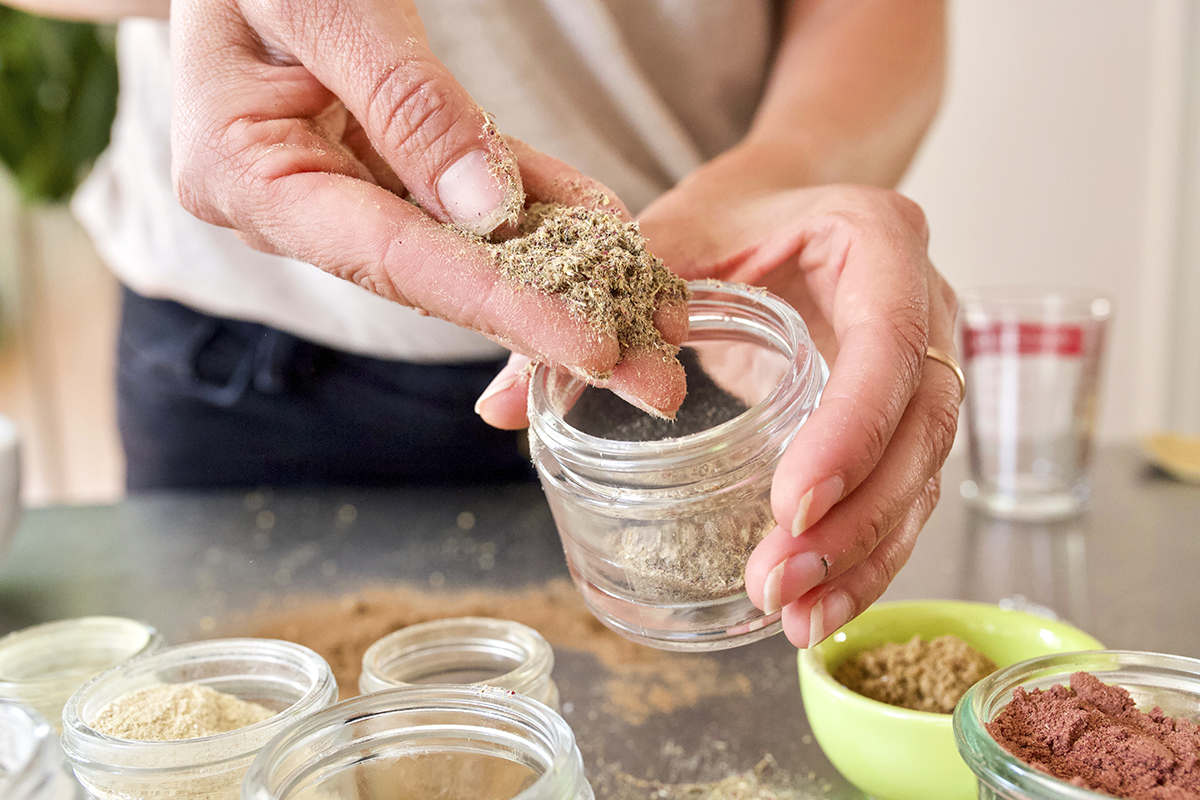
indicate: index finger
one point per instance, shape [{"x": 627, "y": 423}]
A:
[
  {"x": 867, "y": 257},
  {"x": 373, "y": 55}
]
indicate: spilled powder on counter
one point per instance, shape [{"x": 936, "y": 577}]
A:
[
  {"x": 765, "y": 781},
  {"x": 1094, "y": 736},
  {"x": 918, "y": 674},
  {"x": 641, "y": 681},
  {"x": 174, "y": 711},
  {"x": 599, "y": 265}
]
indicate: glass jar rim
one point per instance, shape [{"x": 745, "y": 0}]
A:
[
  {"x": 713, "y": 304},
  {"x": 463, "y": 634},
  {"x": 564, "y": 763},
  {"x": 46, "y": 633},
  {"x": 41, "y": 763},
  {"x": 1029, "y": 301},
  {"x": 991, "y": 762},
  {"x": 82, "y": 743}
]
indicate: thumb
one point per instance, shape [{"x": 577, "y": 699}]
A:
[{"x": 374, "y": 56}]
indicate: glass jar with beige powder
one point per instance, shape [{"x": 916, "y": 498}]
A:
[{"x": 287, "y": 679}]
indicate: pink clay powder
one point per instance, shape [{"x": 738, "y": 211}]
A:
[{"x": 1093, "y": 736}]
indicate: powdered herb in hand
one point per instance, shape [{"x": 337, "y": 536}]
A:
[{"x": 599, "y": 265}]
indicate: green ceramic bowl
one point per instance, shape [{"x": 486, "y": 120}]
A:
[{"x": 893, "y": 753}]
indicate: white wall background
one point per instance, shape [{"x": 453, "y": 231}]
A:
[
  {"x": 1067, "y": 150},
  {"x": 1059, "y": 157}
]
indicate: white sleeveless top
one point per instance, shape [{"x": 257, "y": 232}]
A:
[{"x": 634, "y": 93}]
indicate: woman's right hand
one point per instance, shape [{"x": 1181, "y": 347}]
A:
[{"x": 304, "y": 125}]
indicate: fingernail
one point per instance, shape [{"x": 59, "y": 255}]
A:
[
  {"x": 472, "y": 194},
  {"x": 830, "y": 613},
  {"x": 816, "y": 502},
  {"x": 803, "y": 571},
  {"x": 499, "y": 384},
  {"x": 641, "y": 404},
  {"x": 772, "y": 588}
]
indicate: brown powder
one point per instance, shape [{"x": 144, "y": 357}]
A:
[
  {"x": 449, "y": 775},
  {"x": 923, "y": 676},
  {"x": 642, "y": 681},
  {"x": 599, "y": 265},
  {"x": 1093, "y": 735},
  {"x": 170, "y": 712}
]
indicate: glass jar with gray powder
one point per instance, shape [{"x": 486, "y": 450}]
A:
[{"x": 657, "y": 518}]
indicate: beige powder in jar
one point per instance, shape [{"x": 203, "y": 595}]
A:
[{"x": 175, "y": 711}]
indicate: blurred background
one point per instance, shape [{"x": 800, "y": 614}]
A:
[{"x": 1067, "y": 151}]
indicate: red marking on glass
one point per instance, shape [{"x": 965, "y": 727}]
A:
[{"x": 1024, "y": 338}]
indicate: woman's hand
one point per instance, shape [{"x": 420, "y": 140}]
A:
[
  {"x": 861, "y": 476},
  {"x": 306, "y": 125}
]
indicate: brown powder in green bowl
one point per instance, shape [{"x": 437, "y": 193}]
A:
[{"x": 918, "y": 674}]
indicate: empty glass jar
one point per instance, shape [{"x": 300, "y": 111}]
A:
[
  {"x": 30, "y": 760},
  {"x": 463, "y": 650},
  {"x": 657, "y": 519},
  {"x": 435, "y": 742},
  {"x": 42, "y": 665}
]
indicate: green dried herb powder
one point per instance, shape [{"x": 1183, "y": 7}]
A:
[
  {"x": 599, "y": 265},
  {"x": 921, "y": 675}
]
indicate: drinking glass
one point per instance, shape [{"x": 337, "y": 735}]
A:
[{"x": 1032, "y": 359}]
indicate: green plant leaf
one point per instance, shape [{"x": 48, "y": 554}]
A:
[{"x": 58, "y": 94}]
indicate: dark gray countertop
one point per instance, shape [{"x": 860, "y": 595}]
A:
[{"x": 1125, "y": 572}]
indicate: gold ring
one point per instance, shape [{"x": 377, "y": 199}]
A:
[{"x": 942, "y": 357}]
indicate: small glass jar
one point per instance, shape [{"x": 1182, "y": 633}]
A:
[
  {"x": 1171, "y": 683},
  {"x": 463, "y": 650},
  {"x": 288, "y": 678},
  {"x": 41, "y": 666},
  {"x": 30, "y": 760},
  {"x": 657, "y": 519},
  {"x": 446, "y": 742}
]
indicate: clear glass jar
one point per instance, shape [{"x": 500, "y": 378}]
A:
[
  {"x": 1170, "y": 682},
  {"x": 462, "y": 650},
  {"x": 30, "y": 760},
  {"x": 282, "y": 676},
  {"x": 444, "y": 742},
  {"x": 42, "y": 665},
  {"x": 657, "y": 519}
]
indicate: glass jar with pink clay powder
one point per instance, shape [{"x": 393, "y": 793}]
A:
[
  {"x": 1153, "y": 680},
  {"x": 657, "y": 518}
]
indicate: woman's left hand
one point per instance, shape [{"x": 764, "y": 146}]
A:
[{"x": 861, "y": 476}]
